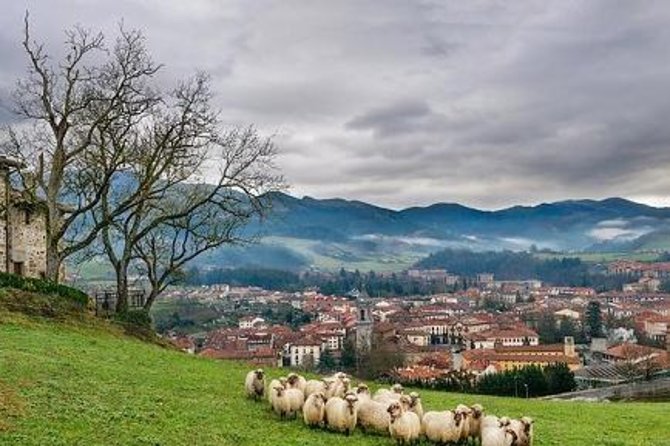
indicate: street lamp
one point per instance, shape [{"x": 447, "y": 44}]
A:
[{"x": 526, "y": 386}]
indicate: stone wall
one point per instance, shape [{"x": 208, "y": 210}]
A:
[
  {"x": 3, "y": 222},
  {"x": 28, "y": 240}
]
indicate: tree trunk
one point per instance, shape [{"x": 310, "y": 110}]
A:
[
  {"x": 153, "y": 294},
  {"x": 122, "y": 288},
  {"x": 53, "y": 261}
]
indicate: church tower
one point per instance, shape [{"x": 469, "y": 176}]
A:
[{"x": 364, "y": 324}]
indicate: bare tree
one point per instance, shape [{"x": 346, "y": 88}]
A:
[
  {"x": 209, "y": 216},
  {"x": 165, "y": 214},
  {"x": 67, "y": 106}
]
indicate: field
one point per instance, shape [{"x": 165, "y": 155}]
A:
[
  {"x": 85, "y": 383},
  {"x": 604, "y": 257}
]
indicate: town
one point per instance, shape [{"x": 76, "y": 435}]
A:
[{"x": 493, "y": 326}]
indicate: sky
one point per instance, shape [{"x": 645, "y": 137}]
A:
[{"x": 407, "y": 103}]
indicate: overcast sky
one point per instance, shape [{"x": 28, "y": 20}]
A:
[{"x": 402, "y": 103}]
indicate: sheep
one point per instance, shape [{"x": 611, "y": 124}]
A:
[
  {"x": 373, "y": 416},
  {"x": 415, "y": 404},
  {"x": 296, "y": 400},
  {"x": 363, "y": 392},
  {"x": 497, "y": 432},
  {"x": 254, "y": 384},
  {"x": 340, "y": 387},
  {"x": 466, "y": 423},
  {"x": 523, "y": 428},
  {"x": 389, "y": 395},
  {"x": 296, "y": 381},
  {"x": 280, "y": 403},
  {"x": 274, "y": 383},
  {"x": 334, "y": 384},
  {"x": 475, "y": 421},
  {"x": 341, "y": 413},
  {"x": 314, "y": 386},
  {"x": 442, "y": 427},
  {"x": 314, "y": 410},
  {"x": 405, "y": 426}
]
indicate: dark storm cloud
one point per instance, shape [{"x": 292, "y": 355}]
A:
[{"x": 401, "y": 103}]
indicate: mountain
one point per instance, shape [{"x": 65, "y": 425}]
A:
[{"x": 328, "y": 234}]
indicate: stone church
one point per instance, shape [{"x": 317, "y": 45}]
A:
[{"x": 22, "y": 228}]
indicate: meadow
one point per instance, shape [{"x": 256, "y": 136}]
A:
[{"x": 83, "y": 382}]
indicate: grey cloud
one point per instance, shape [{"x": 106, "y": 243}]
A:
[{"x": 403, "y": 103}]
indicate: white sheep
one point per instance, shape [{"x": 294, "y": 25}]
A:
[
  {"x": 405, "y": 426},
  {"x": 296, "y": 400},
  {"x": 416, "y": 405},
  {"x": 497, "y": 432},
  {"x": 280, "y": 403},
  {"x": 274, "y": 383},
  {"x": 389, "y": 395},
  {"x": 340, "y": 387},
  {"x": 475, "y": 421},
  {"x": 466, "y": 423},
  {"x": 523, "y": 428},
  {"x": 314, "y": 386},
  {"x": 373, "y": 416},
  {"x": 296, "y": 381},
  {"x": 341, "y": 413},
  {"x": 443, "y": 427},
  {"x": 254, "y": 384},
  {"x": 314, "y": 410},
  {"x": 363, "y": 392}
]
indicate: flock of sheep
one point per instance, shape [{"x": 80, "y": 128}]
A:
[{"x": 332, "y": 402}]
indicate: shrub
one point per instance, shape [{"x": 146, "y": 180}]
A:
[
  {"x": 135, "y": 318},
  {"x": 137, "y": 323},
  {"x": 43, "y": 286}
]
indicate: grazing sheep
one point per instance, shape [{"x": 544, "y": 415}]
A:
[
  {"x": 389, "y": 395},
  {"x": 497, "y": 432},
  {"x": 405, "y": 426},
  {"x": 443, "y": 427},
  {"x": 523, "y": 428},
  {"x": 254, "y": 384},
  {"x": 466, "y": 414},
  {"x": 274, "y": 383},
  {"x": 341, "y": 413},
  {"x": 314, "y": 410},
  {"x": 475, "y": 421},
  {"x": 415, "y": 404},
  {"x": 373, "y": 416},
  {"x": 279, "y": 401},
  {"x": 314, "y": 386},
  {"x": 295, "y": 381},
  {"x": 341, "y": 387},
  {"x": 363, "y": 392},
  {"x": 296, "y": 400},
  {"x": 334, "y": 384}
]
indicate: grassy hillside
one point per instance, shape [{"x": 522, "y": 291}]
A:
[{"x": 85, "y": 383}]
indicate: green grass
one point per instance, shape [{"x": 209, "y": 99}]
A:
[
  {"x": 342, "y": 255},
  {"x": 85, "y": 383},
  {"x": 603, "y": 257}
]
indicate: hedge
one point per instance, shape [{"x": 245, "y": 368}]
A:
[{"x": 42, "y": 286}]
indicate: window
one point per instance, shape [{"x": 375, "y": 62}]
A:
[{"x": 27, "y": 216}]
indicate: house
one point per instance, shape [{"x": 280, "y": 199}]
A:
[
  {"x": 505, "y": 336},
  {"x": 303, "y": 352},
  {"x": 22, "y": 227},
  {"x": 251, "y": 322},
  {"x": 510, "y": 357}
]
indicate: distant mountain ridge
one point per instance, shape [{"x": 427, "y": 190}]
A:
[{"x": 306, "y": 232}]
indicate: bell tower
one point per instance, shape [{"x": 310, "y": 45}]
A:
[{"x": 364, "y": 324}]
